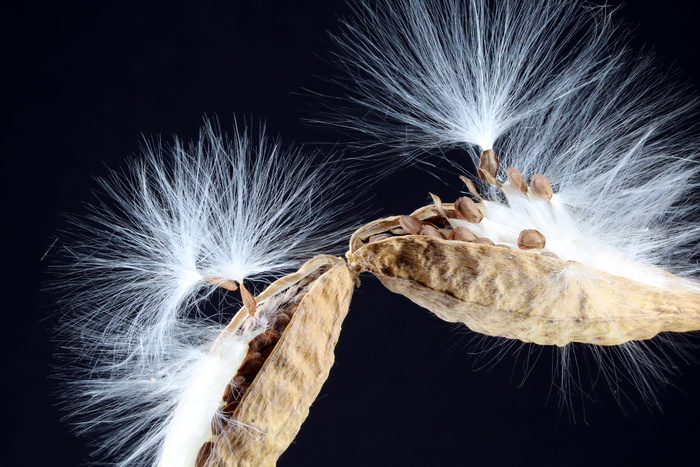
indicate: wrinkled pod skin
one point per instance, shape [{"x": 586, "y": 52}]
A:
[
  {"x": 277, "y": 402},
  {"x": 521, "y": 294}
]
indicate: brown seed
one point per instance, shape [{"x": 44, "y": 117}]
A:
[
  {"x": 430, "y": 231},
  {"x": 267, "y": 351},
  {"x": 218, "y": 423},
  {"x": 410, "y": 224},
  {"x": 484, "y": 241},
  {"x": 488, "y": 163},
  {"x": 204, "y": 454},
  {"x": 471, "y": 187},
  {"x": 264, "y": 340},
  {"x": 438, "y": 205},
  {"x": 378, "y": 237},
  {"x": 224, "y": 283},
  {"x": 516, "y": 179},
  {"x": 462, "y": 234},
  {"x": 248, "y": 300},
  {"x": 239, "y": 380},
  {"x": 281, "y": 322},
  {"x": 467, "y": 210},
  {"x": 229, "y": 408},
  {"x": 487, "y": 177},
  {"x": 227, "y": 391},
  {"x": 251, "y": 365},
  {"x": 531, "y": 239},
  {"x": 540, "y": 187},
  {"x": 398, "y": 231},
  {"x": 234, "y": 391}
]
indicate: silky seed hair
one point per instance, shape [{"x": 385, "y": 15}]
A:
[
  {"x": 582, "y": 148},
  {"x": 135, "y": 273},
  {"x": 433, "y": 74}
]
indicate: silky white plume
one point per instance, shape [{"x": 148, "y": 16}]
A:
[
  {"x": 135, "y": 334},
  {"x": 437, "y": 73},
  {"x": 553, "y": 89}
]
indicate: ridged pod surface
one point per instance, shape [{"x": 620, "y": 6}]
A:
[
  {"x": 277, "y": 402},
  {"x": 521, "y": 294}
]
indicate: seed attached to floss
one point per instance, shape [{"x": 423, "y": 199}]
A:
[
  {"x": 488, "y": 164},
  {"x": 531, "y": 239},
  {"x": 516, "y": 179},
  {"x": 541, "y": 187},
  {"x": 467, "y": 210}
]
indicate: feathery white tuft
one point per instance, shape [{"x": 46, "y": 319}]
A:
[
  {"x": 142, "y": 375},
  {"x": 553, "y": 89},
  {"x": 438, "y": 73}
]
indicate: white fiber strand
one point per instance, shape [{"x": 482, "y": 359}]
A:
[{"x": 438, "y": 73}]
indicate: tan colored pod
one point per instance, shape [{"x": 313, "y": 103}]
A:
[
  {"x": 521, "y": 294},
  {"x": 277, "y": 401}
]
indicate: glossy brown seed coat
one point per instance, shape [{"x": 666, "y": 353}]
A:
[
  {"x": 541, "y": 187},
  {"x": 467, "y": 210},
  {"x": 411, "y": 224},
  {"x": 462, "y": 234},
  {"x": 531, "y": 239},
  {"x": 488, "y": 164},
  {"x": 516, "y": 179}
]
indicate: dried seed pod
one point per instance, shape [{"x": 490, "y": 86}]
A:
[
  {"x": 555, "y": 301},
  {"x": 271, "y": 410},
  {"x": 411, "y": 224},
  {"x": 541, "y": 187},
  {"x": 516, "y": 179},
  {"x": 467, "y": 210},
  {"x": 531, "y": 239}
]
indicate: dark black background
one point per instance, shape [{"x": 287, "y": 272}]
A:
[{"x": 85, "y": 81}]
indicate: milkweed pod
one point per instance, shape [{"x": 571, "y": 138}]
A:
[
  {"x": 268, "y": 398},
  {"x": 522, "y": 294}
]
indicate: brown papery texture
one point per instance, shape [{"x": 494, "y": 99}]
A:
[
  {"x": 278, "y": 400},
  {"x": 526, "y": 296}
]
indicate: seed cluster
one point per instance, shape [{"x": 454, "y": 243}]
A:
[
  {"x": 259, "y": 349},
  {"x": 465, "y": 208}
]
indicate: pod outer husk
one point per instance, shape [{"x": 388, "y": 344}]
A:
[
  {"x": 278, "y": 400},
  {"x": 523, "y": 295}
]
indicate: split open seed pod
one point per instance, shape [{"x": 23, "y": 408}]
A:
[
  {"x": 520, "y": 291},
  {"x": 282, "y": 356}
]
